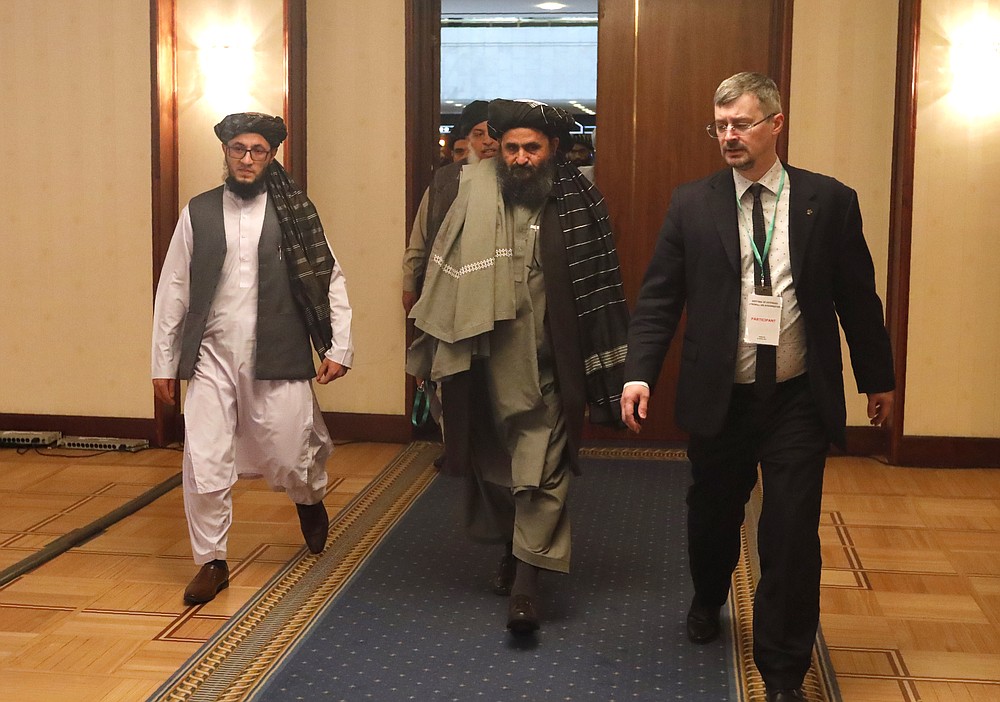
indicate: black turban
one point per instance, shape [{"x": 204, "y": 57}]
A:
[
  {"x": 511, "y": 114},
  {"x": 271, "y": 128},
  {"x": 472, "y": 114}
]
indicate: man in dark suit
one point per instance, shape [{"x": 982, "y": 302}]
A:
[{"x": 765, "y": 258}]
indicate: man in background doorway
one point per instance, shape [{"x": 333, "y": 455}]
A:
[
  {"x": 248, "y": 280},
  {"x": 581, "y": 153},
  {"x": 438, "y": 198},
  {"x": 459, "y": 148},
  {"x": 434, "y": 205},
  {"x": 768, "y": 261}
]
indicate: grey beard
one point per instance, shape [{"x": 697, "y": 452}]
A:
[
  {"x": 246, "y": 191},
  {"x": 529, "y": 186}
]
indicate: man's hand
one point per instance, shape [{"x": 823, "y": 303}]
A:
[
  {"x": 409, "y": 300},
  {"x": 330, "y": 370},
  {"x": 880, "y": 407},
  {"x": 635, "y": 399},
  {"x": 163, "y": 388}
]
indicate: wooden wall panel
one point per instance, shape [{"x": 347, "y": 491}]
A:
[
  {"x": 658, "y": 66},
  {"x": 164, "y": 176}
]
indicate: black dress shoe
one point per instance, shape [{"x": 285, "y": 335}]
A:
[
  {"x": 504, "y": 579},
  {"x": 790, "y": 695},
  {"x": 702, "y": 623},
  {"x": 522, "y": 614},
  {"x": 210, "y": 580},
  {"x": 315, "y": 524}
]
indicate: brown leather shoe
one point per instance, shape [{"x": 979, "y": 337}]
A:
[
  {"x": 522, "y": 614},
  {"x": 315, "y": 525},
  {"x": 210, "y": 580}
]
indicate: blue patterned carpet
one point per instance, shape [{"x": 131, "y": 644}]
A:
[{"x": 418, "y": 621}]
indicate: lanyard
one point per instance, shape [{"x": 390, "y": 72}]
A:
[
  {"x": 421, "y": 407},
  {"x": 760, "y": 256}
]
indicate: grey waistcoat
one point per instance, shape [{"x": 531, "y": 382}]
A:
[{"x": 283, "y": 350}]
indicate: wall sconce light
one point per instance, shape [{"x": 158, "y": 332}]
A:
[
  {"x": 227, "y": 65},
  {"x": 975, "y": 64}
]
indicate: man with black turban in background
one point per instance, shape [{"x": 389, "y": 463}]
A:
[
  {"x": 524, "y": 321},
  {"x": 439, "y": 195},
  {"x": 248, "y": 281}
]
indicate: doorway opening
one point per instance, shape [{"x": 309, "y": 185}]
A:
[{"x": 519, "y": 50}]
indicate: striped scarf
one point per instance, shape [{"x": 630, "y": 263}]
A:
[
  {"x": 307, "y": 253},
  {"x": 597, "y": 290}
]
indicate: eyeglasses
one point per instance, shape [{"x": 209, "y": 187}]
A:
[
  {"x": 715, "y": 129},
  {"x": 238, "y": 151}
]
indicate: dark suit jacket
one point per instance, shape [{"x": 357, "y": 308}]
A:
[{"x": 696, "y": 264}]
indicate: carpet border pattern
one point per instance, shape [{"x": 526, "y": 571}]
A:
[
  {"x": 237, "y": 660},
  {"x": 820, "y": 684},
  {"x": 634, "y": 453},
  {"x": 239, "y": 657}
]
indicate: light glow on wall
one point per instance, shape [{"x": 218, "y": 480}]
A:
[
  {"x": 975, "y": 65},
  {"x": 227, "y": 62}
]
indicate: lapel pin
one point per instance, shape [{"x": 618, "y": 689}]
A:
[{"x": 809, "y": 212}]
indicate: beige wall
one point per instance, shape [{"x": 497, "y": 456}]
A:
[
  {"x": 357, "y": 179},
  {"x": 75, "y": 272},
  {"x": 75, "y": 212},
  {"x": 840, "y": 118},
  {"x": 953, "y": 367},
  {"x": 840, "y": 121}
]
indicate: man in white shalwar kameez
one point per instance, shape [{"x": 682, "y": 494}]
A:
[{"x": 234, "y": 316}]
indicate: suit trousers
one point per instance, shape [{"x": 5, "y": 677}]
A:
[{"x": 785, "y": 435}]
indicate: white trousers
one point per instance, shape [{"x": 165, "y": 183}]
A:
[{"x": 237, "y": 426}]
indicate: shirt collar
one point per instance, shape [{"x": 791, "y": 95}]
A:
[
  {"x": 240, "y": 202},
  {"x": 769, "y": 180}
]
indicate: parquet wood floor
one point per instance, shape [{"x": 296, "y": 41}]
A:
[
  {"x": 105, "y": 621},
  {"x": 911, "y": 583}
]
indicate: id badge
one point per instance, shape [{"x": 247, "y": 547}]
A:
[{"x": 763, "y": 319}]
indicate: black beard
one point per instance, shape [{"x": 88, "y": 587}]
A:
[
  {"x": 246, "y": 191},
  {"x": 526, "y": 185}
]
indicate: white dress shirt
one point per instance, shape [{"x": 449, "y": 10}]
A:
[{"x": 791, "y": 351}]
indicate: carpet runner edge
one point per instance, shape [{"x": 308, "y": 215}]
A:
[{"x": 237, "y": 660}]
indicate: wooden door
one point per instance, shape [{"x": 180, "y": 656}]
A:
[{"x": 659, "y": 63}]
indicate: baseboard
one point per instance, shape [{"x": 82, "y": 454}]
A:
[
  {"x": 342, "y": 426},
  {"x": 864, "y": 441},
  {"x": 948, "y": 452},
  {"x": 392, "y": 428},
  {"x": 916, "y": 451},
  {"x": 924, "y": 451},
  {"x": 73, "y": 425}
]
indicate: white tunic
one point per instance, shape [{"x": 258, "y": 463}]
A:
[{"x": 236, "y": 424}]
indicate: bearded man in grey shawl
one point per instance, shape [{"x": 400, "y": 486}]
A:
[{"x": 524, "y": 322}]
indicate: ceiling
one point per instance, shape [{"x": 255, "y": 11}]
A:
[
  {"x": 523, "y": 8},
  {"x": 474, "y": 13}
]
